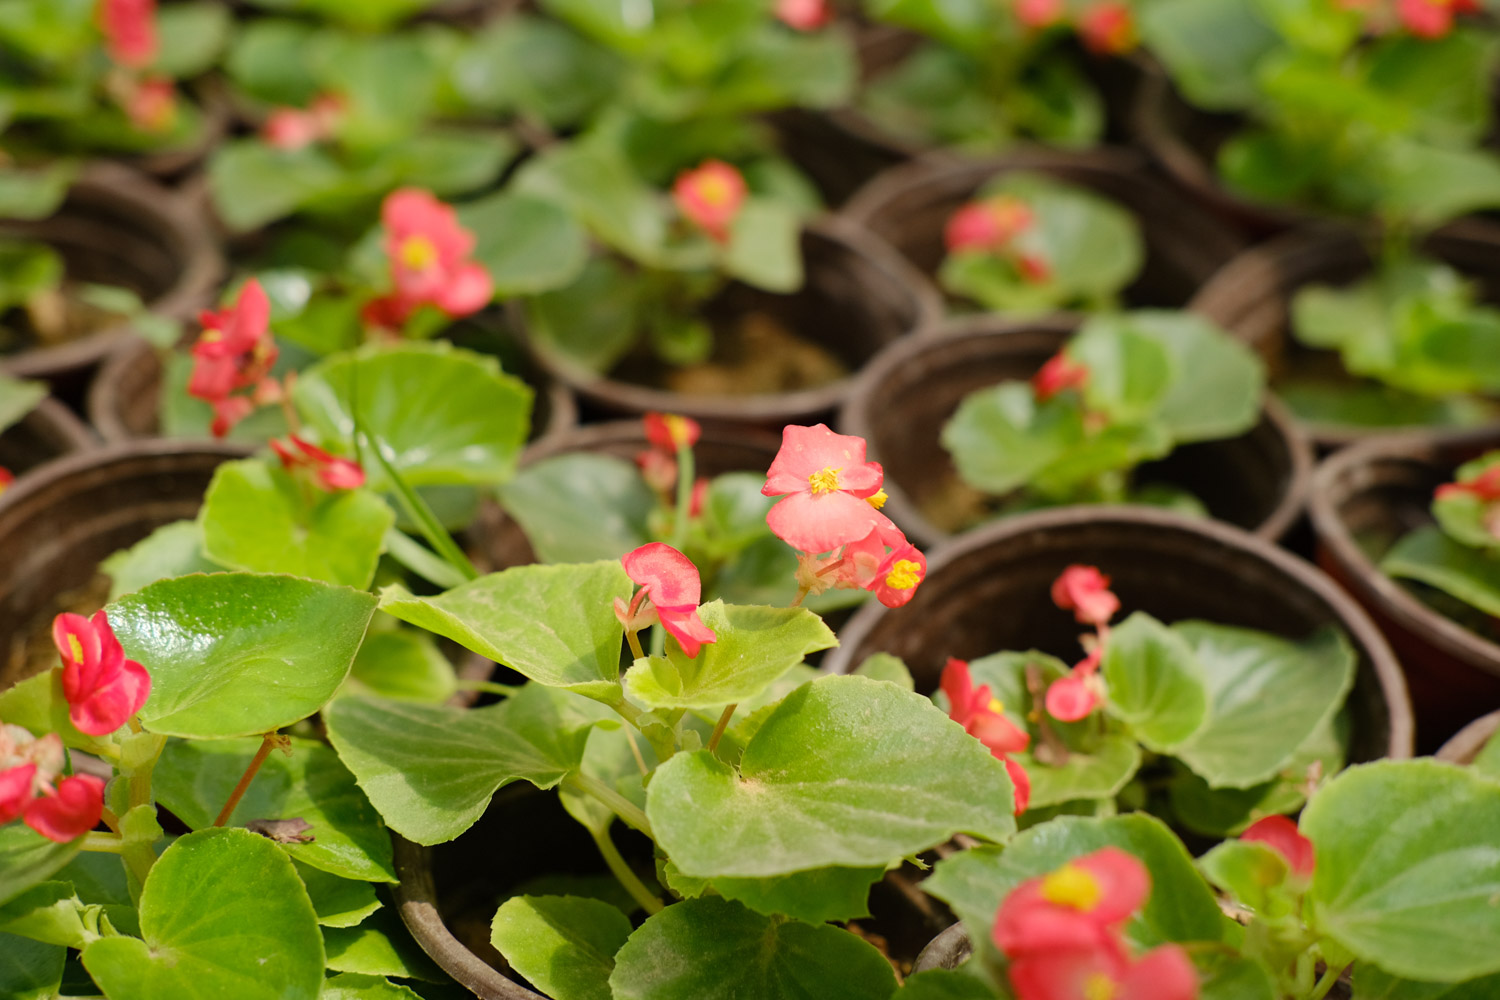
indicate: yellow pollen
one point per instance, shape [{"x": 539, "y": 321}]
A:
[
  {"x": 877, "y": 499},
  {"x": 676, "y": 428},
  {"x": 714, "y": 190},
  {"x": 418, "y": 253},
  {"x": 824, "y": 482},
  {"x": 76, "y": 647},
  {"x": 1072, "y": 886},
  {"x": 904, "y": 575},
  {"x": 1099, "y": 987},
  {"x": 997, "y": 706}
]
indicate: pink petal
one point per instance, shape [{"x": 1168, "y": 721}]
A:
[
  {"x": 1022, "y": 782},
  {"x": 1281, "y": 835},
  {"x": 1164, "y": 973},
  {"x": 819, "y": 523},
  {"x": 670, "y": 578},
  {"x": 687, "y": 628},
  {"x": 69, "y": 813},
  {"x": 15, "y": 791},
  {"x": 806, "y": 450},
  {"x": 468, "y": 290},
  {"x": 1070, "y": 699}
]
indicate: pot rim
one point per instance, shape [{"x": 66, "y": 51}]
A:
[
  {"x": 854, "y": 415},
  {"x": 51, "y": 414},
  {"x": 1350, "y": 616}
]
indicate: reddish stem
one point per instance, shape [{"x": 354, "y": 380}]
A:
[{"x": 267, "y": 742}]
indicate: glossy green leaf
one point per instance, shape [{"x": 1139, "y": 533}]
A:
[
  {"x": 1099, "y": 774},
  {"x": 172, "y": 550},
  {"x": 263, "y": 519},
  {"x": 564, "y": 945},
  {"x": 554, "y": 624},
  {"x": 1431, "y": 557},
  {"x": 38, "y": 705},
  {"x": 381, "y": 946},
  {"x": 1155, "y": 682},
  {"x": 1372, "y": 983},
  {"x": 222, "y": 912},
  {"x": 239, "y": 654},
  {"x": 815, "y": 896},
  {"x": 354, "y": 986},
  {"x": 194, "y": 779},
  {"x": 27, "y": 858},
  {"x": 580, "y": 507},
  {"x": 30, "y": 970},
  {"x": 526, "y": 244},
  {"x": 845, "y": 771},
  {"x": 431, "y": 770},
  {"x": 1408, "y": 873},
  {"x": 442, "y": 415},
  {"x": 338, "y": 902},
  {"x": 404, "y": 664},
  {"x": 703, "y": 948}
]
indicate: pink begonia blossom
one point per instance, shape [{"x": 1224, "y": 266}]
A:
[
  {"x": 1059, "y": 373},
  {"x": 983, "y": 717},
  {"x": 1433, "y": 19},
  {"x": 1281, "y": 835},
  {"x": 1085, "y": 591},
  {"x": 331, "y": 472},
  {"x": 898, "y": 576},
  {"x": 710, "y": 196},
  {"x": 1164, "y": 973},
  {"x": 804, "y": 15},
  {"x": 668, "y": 431},
  {"x": 1075, "y": 696},
  {"x": 1108, "y": 28},
  {"x": 69, "y": 811},
  {"x": 235, "y": 351},
  {"x": 827, "y": 487},
  {"x": 987, "y": 225},
  {"x": 129, "y": 31},
  {"x": 150, "y": 103},
  {"x": 429, "y": 253},
  {"x": 671, "y": 582},
  {"x": 7, "y": 478},
  {"x": 1040, "y": 13},
  {"x": 30, "y": 789},
  {"x": 291, "y": 129},
  {"x": 102, "y": 687}
]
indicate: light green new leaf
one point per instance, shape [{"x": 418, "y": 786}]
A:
[
  {"x": 703, "y": 948},
  {"x": 564, "y": 945},
  {"x": 1155, "y": 682},
  {"x": 845, "y": 771},
  {"x": 239, "y": 654},
  {"x": 431, "y": 770},
  {"x": 443, "y": 415},
  {"x": 194, "y": 779},
  {"x": 172, "y": 550},
  {"x": 338, "y": 902},
  {"x": 755, "y": 646},
  {"x": 554, "y": 624},
  {"x": 1097, "y": 775},
  {"x": 222, "y": 913},
  {"x": 1408, "y": 869}
]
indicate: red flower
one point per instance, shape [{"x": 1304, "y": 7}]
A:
[
  {"x": 670, "y": 580},
  {"x": 899, "y": 575},
  {"x": 331, "y": 472},
  {"x": 826, "y": 482},
  {"x": 1034, "y": 268},
  {"x": 1021, "y": 781},
  {"x": 1432, "y": 18},
  {"x": 429, "y": 256},
  {"x": 103, "y": 688},
  {"x": 68, "y": 812},
  {"x": 1164, "y": 973},
  {"x": 1085, "y": 591},
  {"x": 1039, "y": 13},
  {"x": 698, "y": 497},
  {"x": 1281, "y": 835},
  {"x": 6, "y": 478},
  {"x": 1485, "y": 486},
  {"x": 983, "y": 717},
  {"x": 1108, "y": 28},
  {"x": 710, "y": 196},
  {"x": 987, "y": 225},
  {"x": 658, "y": 469},
  {"x": 129, "y": 31},
  {"x": 669, "y": 431},
  {"x": 235, "y": 351},
  {"x": 150, "y": 103},
  {"x": 1059, "y": 373},
  {"x": 16, "y": 790},
  {"x": 804, "y": 15},
  {"x": 293, "y": 128}
]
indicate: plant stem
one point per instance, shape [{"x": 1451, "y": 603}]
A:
[
  {"x": 723, "y": 724},
  {"x": 686, "y": 475},
  {"x": 1326, "y": 983},
  {"x": 623, "y": 873},
  {"x": 801, "y": 596},
  {"x": 622, "y": 807},
  {"x": 267, "y": 742},
  {"x": 632, "y": 637},
  {"x": 103, "y": 843},
  {"x": 416, "y": 508},
  {"x": 635, "y": 751}
]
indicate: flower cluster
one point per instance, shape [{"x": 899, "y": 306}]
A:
[
  {"x": 235, "y": 352},
  {"x": 148, "y": 99},
  {"x": 995, "y": 226},
  {"x": 830, "y": 513},
  {"x": 710, "y": 196},
  {"x": 1063, "y": 935},
  {"x": 1106, "y": 28},
  {"x": 666, "y": 433},
  {"x": 328, "y": 471},
  {"x": 1422, "y": 18},
  {"x": 1058, "y": 374},
  {"x": 1084, "y": 591},
  {"x": 983, "y": 717},
  {"x": 291, "y": 129},
  {"x": 429, "y": 254},
  {"x": 669, "y": 596}
]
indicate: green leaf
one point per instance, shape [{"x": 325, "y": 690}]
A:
[
  {"x": 1180, "y": 907},
  {"x": 1211, "y": 48},
  {"x": 381, "y": 946},
  {"x": 190, "y": 37},
  {"x": 1407, "y": 872},
  {"x": 338, "y": 902},
  {"x": 580, "y": 507},
  {"x": 18, "y": 398},
  {"x": 756, "y": 645},
  {"x": 1371, "y": 983},
  {"x": 597, "y": 185},
  {"x": 1428, "y": 555},
  {"x": 35, "y": 193},
  {"x": 239, "y": 654},
  {"x": 815, "y": 896},
  {"x": 594, "y": 322},
  {"x": 172, "y": 550},
  {"x": 715, "y": 948},
  {"x": 253, "y": 184},
  {"x": 885, "y": 667},
  {"x": 224, "y": 913},
  {"x": 765, "y": 246},
  {"x": 1155, "y": 682},
  {"x": 52, "y": 912},
  {"x": 353, "y": 986},
  {"x": 564, "y": 945},
  {"x": 528, "y": 245},
  {"x": 845, "y": 771},
  {"x": 1001, "y": 437},
  {"x": 1099, "y": 774},
  {"x": 1218, "y": 381},
  {"x": 1267, "y": 695},
  {"x": 1427, "y": 185},
  {"x": 442, "y": 415},
  {"x": 1487, "y": 761},
  {"x": 261, "y": 518},
  {"x": 194, "y": 779},
  {"x": 26, "y": 858},
  {"x": 554, "y": 624},
  {"x": 539, "y": 67},
  {"x": 942, "y": 984},
  {"x": 30, "y": 970},
  {"x": 1251, "y": 873},
  {"x": 431, "y": 770},
  {"x": 38, "y": 705},
  {"x": 404, "y": 664},
  {"x": 1462, "y": 515},
  {"x": 1236, "y": 977},
  {"x": 1131, "y": 372}
]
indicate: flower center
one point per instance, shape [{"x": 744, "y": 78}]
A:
[
  {"x": 418, "y": 253},
  {"x": 997, "y": 706},
  {"x": 1073, "y": 887},
  {"x": 1099, "y": 986},
  {"x": 904, "y": 575},
  {"x": 714, "y": 190},
  {"x": 824, "y": 482},
  {"x": 76, "y": 647},
  {"x": 877, "y": 499}
]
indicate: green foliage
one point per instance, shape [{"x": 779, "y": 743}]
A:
[{"x": 563, "y": 945}]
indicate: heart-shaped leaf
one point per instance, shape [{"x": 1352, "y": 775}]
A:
[
  {"x": 431, "y": 770},
  {"x": 528, "y": 245},
  {"x": 239, "y": 654},
  {"x": 1407, "y": 873},
  {"x": 845, "y": 771},
  {"x": 174, "y": 549},
  {"x": 578, "y": 508},
  {"x": 756, "y": 645},
  {"x": 564, "y": 945},
  {"x": 554, "y": 624},
  {"x": 1099, "y": 774},
  {"x": 1155, "y": 682},
  {"x": 222, "y": 913},
  {"x": 338, "y": 902}
]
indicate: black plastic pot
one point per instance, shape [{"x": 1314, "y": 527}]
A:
[
  {"x": 909, "y": 206},
  {"x": 45, "y": 433},
  {"x": 902, "y": 400},
  {"x": 990, "y": 590}
]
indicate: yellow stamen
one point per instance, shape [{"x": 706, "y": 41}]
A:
[
  {"x": 904, "y": 575},
  {"x": 997, "y": 706},
  {"x": 1072, "y": 886},
  {"x": 676, "y": 428},
  {"x": 714, "y": 189},
  {"x": 824, "y": 482},
  {"x": 877, "y": 499},
  {"x": 1099, "y": 987},
  {"x": 418, "y": 253},
  {"x": 76, "y": 647}
]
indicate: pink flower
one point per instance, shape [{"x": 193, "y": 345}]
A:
[
  {"x": 7, "y": 478},
  {"x": 826, "y": 483},
  {"x": 983, "y": 717},
  {"x": 1281, "y": 835},
  {"x": 129, "y": 31},
  {"x": 1021, "y": 782},
  {"x": 1108, "y": 28},
  {"x": 1059, "y": 373},
  {"x": 1164, "y": 973},
  {"x": 69, "y": 811},
  {"x": 898, "y": 576},
  {"x": 1070, "y": 699},
  {"x": 429, "y": 257},
  {"x": 291, "y": 129},
  {"x": 669, "y": 431},
  {"x": 1034, "y": 268},
  {"x": 332, "y": 473},
  {"x": 1432, "y": 18},
  {"x": 698, "y": 497},
  {"x": 103, "y": 688},
  {"x": 658, "y": 469},
  {"x": 1485, "y": 486},
  {"x": 150, "y": 103},
  {"x": 16, "y": 791},
  {"x": 235, "y": 351},
  {"x": 670, "y": 580},
  {"x": 987, "y": 225},
  {"x": 1085, "y": 591},
  {"x": 804, "y": 15},
  {"x": 1039, "y": 13},
  {"x": 28, "y": 768},
  {"x": 710, "y": 196}
]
